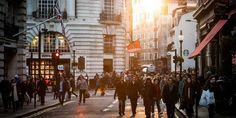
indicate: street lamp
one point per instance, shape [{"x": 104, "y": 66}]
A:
[
  {"x": 181, "y": 38},
  {"x": 74, "y": 66}
]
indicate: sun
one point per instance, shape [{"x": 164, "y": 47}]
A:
[{"x": 152, "y": 6}]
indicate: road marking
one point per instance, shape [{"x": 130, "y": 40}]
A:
[
  {"x": 46, "y": 110},
  {"x": 110, "y": 106}
]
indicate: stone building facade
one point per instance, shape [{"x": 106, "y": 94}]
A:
[
  {"x": 12, "y": 48},
  {"x": 94, "y": 29}
]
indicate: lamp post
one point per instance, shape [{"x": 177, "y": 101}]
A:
[
  {"x": 74, "y": 64},
  {"x": 181, "y": 38}
]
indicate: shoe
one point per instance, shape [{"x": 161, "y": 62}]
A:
[{"x": 120, "y": 114}]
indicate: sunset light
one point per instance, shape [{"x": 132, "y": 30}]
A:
[{"x": 152, "y": 5}]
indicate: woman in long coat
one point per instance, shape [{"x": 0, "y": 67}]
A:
[{"x": 188, "y": 96}]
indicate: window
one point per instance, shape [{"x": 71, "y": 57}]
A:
[
  {"x": 50, "y": 42},
  {"x": 109, "y": 9},
  {"x": 109, "y": 6},
  {"x": 47, "y": 68},
  {"x": 108, "y": 44},
  {"x": 46, "y": 8}
]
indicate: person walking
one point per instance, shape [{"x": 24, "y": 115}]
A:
[
  {"x": 157, "y": 97},
  {"x": 14, "y": 95},
  {"x": 189, "y": 96},
  {"x": 83, "y": 87},
  {"x": 133, "y": 94},
  {"x": 121, "y": 92},
  {"x": 63, "y": 87},
  {"x": 42, "y": 87},
  {"x": 72, "y": 85},
  {"x": 147, "y": 93},
  {"x": 97, "y": 81},
  {"x": 170, "y": 97},
  {"x": 5, "y": 89},
  {"x": 211, "y": 85}
]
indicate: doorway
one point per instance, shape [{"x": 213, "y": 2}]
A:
[{"x": 108, "y": 65}]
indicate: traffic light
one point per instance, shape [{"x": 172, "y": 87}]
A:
[
  {"x": 175, "y": 59},
  {"x": 81, "y": 63},
  {"x": 55, "y": 56}
]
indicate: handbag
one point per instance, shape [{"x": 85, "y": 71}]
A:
[
  {"x": 203, "y": 100},
  {"x": 87, "y": 95}
]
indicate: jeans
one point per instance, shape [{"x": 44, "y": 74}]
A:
[{"x": 82, "y": 93}]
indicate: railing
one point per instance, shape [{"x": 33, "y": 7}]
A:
[{"x": 110, "y": 18}]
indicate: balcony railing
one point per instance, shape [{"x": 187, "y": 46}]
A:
[{"x": 110, "y": 18}]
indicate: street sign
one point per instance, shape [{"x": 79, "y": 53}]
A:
[{"x": 60, "y": 67}]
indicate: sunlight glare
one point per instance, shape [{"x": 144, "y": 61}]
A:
[{"x": 152, "y": 6}]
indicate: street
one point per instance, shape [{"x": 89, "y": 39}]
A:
[{"x": 95, "y": 107}]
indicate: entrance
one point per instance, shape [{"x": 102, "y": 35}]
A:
[
  {"x": 107, "y": 65},
  {"x": 9, "y": 55}
]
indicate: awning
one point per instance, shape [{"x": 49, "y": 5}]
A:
[{"x": 208, "y": 37}]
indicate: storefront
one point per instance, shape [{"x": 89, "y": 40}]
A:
[{"x": 46, "y": 67}]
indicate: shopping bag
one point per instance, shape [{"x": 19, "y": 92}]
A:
[
  {"x": 87, "y": 95},
  {"x": 203, "y": 100},
  {"x": 162, "y": 106},
  {"x": 210, "y": 97}
]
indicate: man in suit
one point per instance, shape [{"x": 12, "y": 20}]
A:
[{"x": 133, "y": 94}]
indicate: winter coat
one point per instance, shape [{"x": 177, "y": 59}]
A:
[
  {"x": 170, "y": 96},
  {"x": 147, "y": 93},
  {"x": 83, "y": 84},
  {"x": 121, "y": 90},
  {"x": 188, "y": 94},
  {"x": 133, "y": 90},
  {"x": 41, "y": 87},
  {"x": 157, "y": 91}
]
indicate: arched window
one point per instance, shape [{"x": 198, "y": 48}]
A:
[{"x": 51, "y": 41}]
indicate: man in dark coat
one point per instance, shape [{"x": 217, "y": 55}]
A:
[
  {"x": 147, "y": 93},
  {"x": 121, "y": 92},
  {"x": 5, "y": 89},
  {"x": 170, "y": 97},
  {"x": 41, "y": 87},
  {"x": 157, "y": 96},
  {"x": 133, "y": 94},
  {"x": 63, "y": 87}
]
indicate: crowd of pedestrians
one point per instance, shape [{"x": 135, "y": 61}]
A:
[
  {"x": 160, "y": 90},
  {"x": 165, "y": 90}
]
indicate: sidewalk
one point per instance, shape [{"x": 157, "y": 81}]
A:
[
  {"x": 28, "y": 109},
  {"x": 202, "y": 112}
]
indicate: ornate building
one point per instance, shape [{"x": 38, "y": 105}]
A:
[
  {"x": 93, "y": 30},
  {"x": 12, "y": 48}
]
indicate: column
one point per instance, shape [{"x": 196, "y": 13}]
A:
[{"x": 21, "y": 45}]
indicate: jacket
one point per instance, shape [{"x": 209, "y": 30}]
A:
[
  {"x": 133, "y": 90},
  {"x": 170, "y": 96},
  {"x": 121, "y": 90}
]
